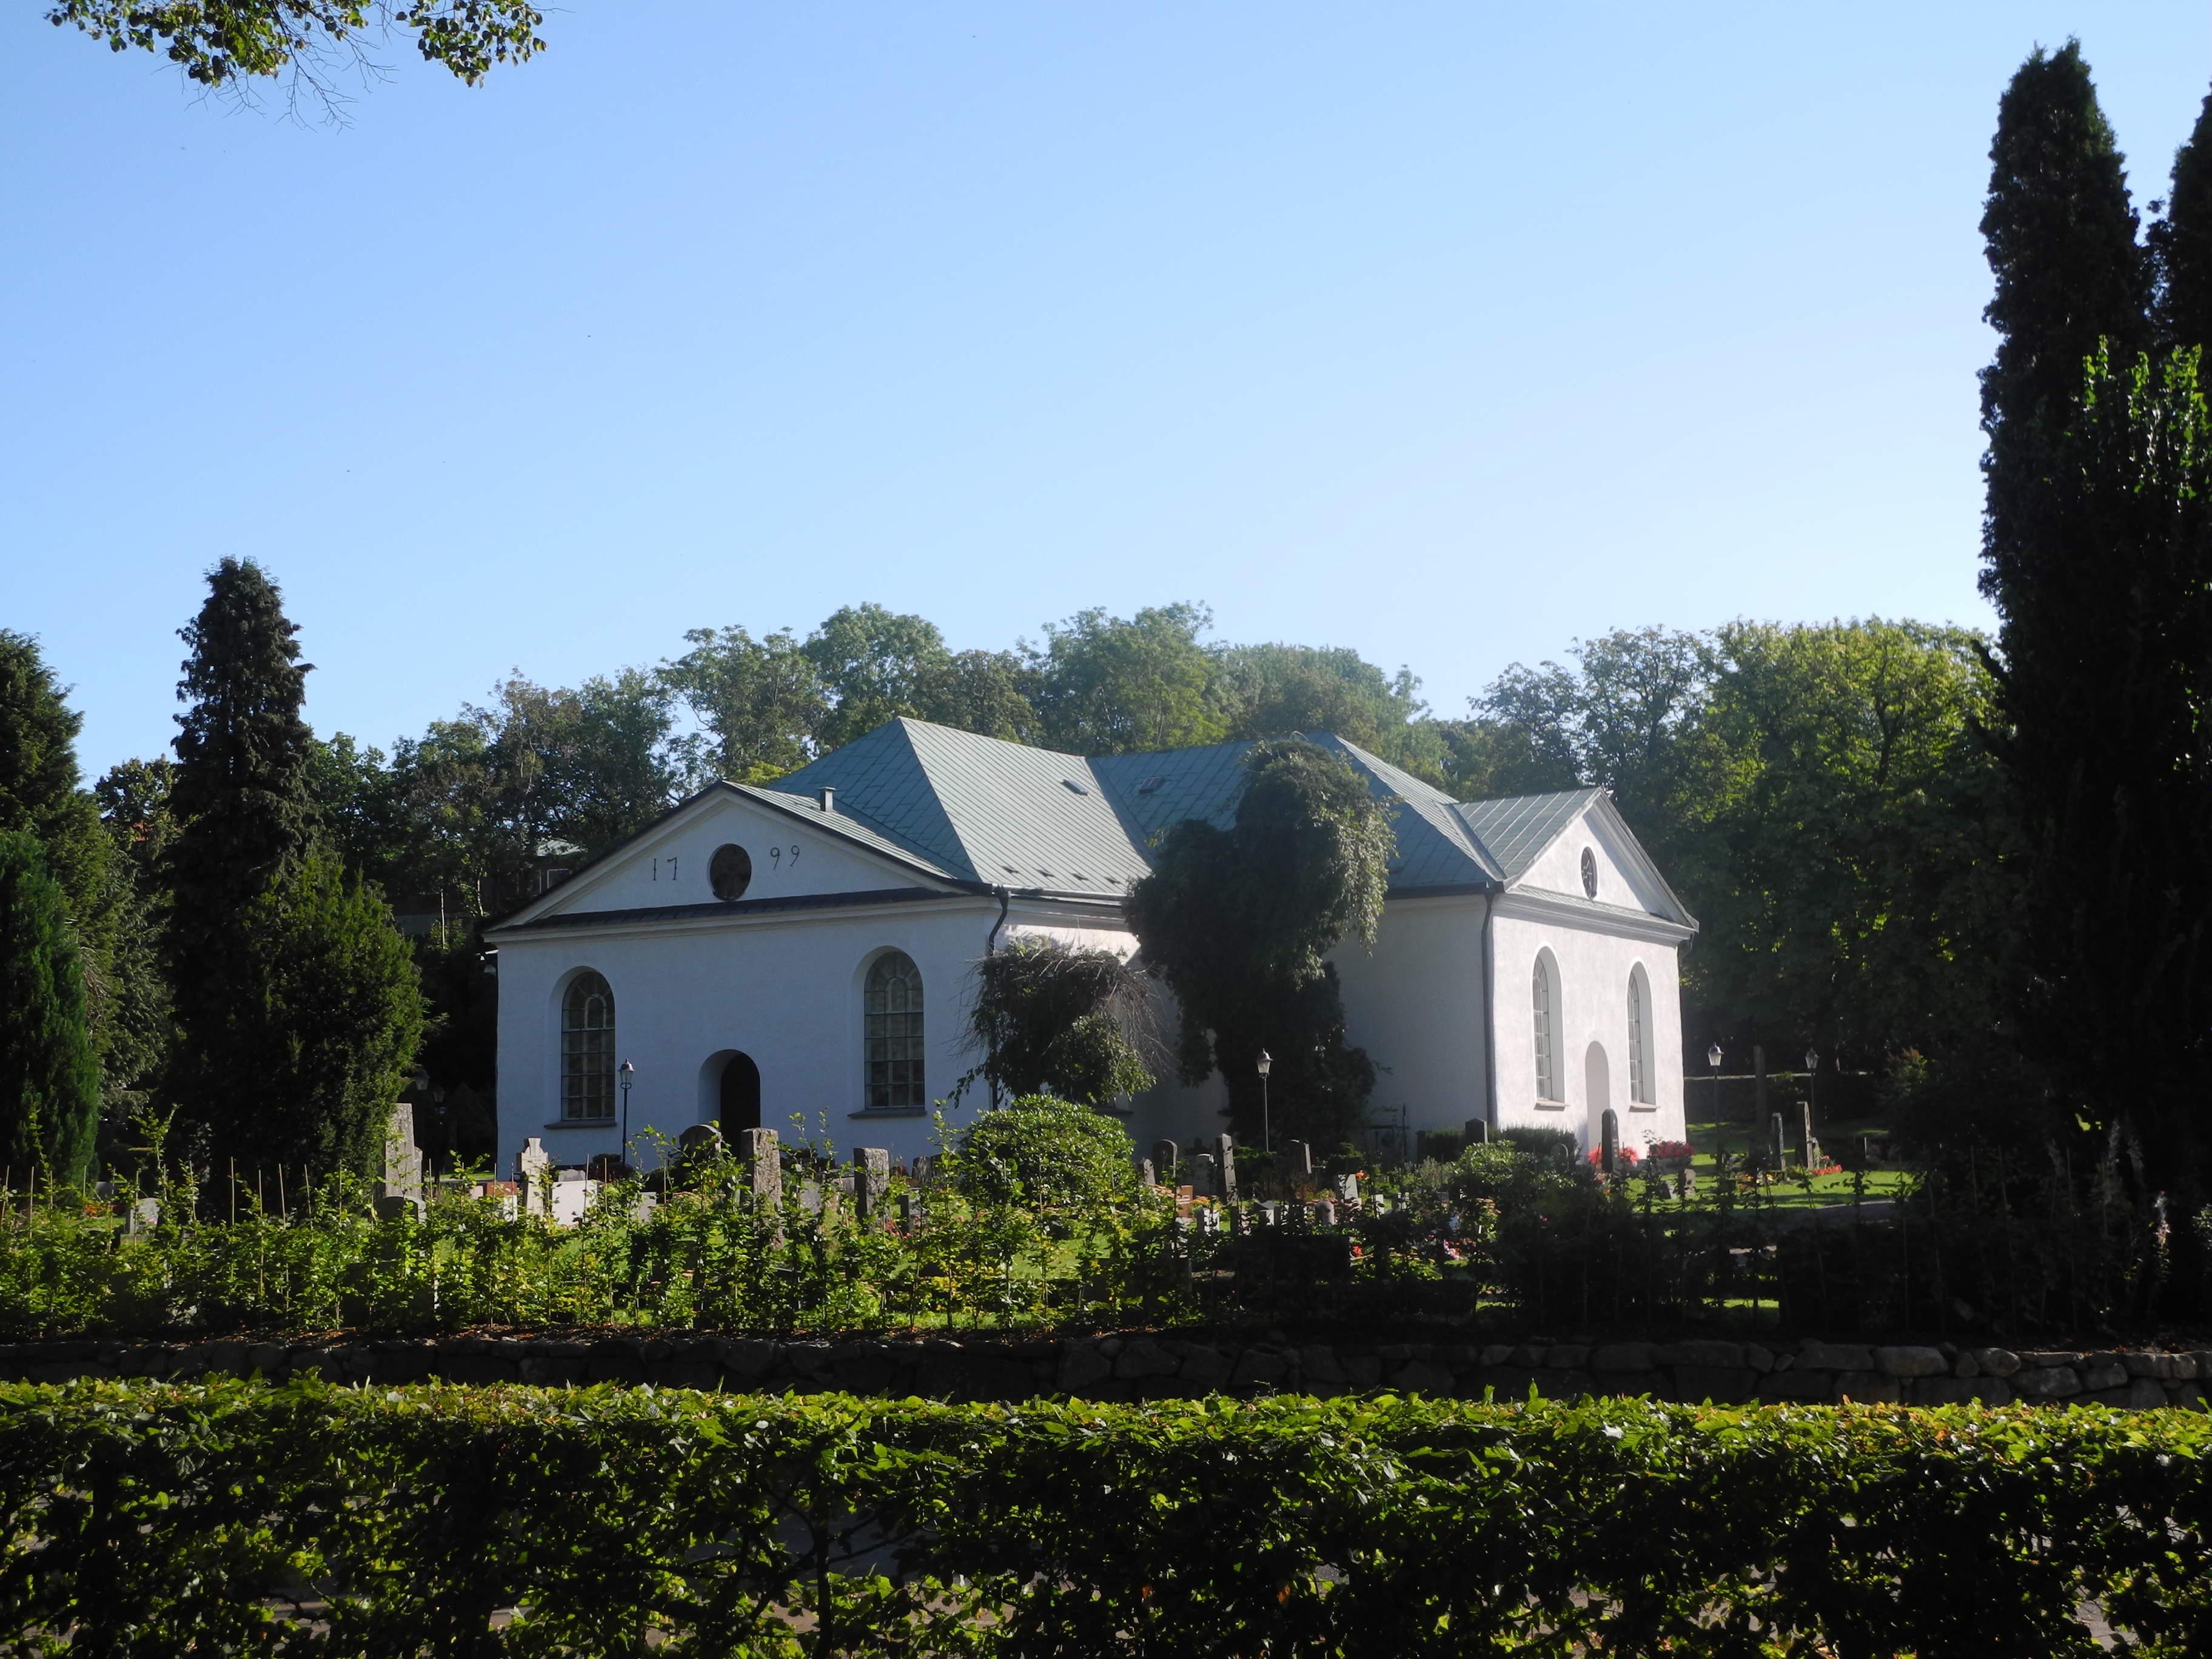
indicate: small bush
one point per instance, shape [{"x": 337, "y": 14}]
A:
[
  {"x": 1545, "y": 1144},
  {"x": 1040, "y": 1151}
]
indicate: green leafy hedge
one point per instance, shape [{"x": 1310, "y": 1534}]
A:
[{"x": 157, "y": 1520}]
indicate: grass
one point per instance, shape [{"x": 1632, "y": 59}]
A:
[{"x": 1789, "y": 1192}]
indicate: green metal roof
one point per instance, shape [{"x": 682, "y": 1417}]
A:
[{"x": 1009, "y": 815}]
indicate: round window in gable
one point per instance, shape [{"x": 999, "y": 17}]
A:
[
  {"x": 731, "y": 870},
  {"x": 1590, "y": 873}
]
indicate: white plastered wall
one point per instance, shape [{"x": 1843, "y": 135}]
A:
[
  {"x": 1589, "y": 1006},
  {"x": 1415, "y": 1003}
]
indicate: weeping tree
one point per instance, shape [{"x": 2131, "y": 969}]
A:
[
  {"x": 1239, "y": 923},
  {"x": 1054, "y": 1019}
]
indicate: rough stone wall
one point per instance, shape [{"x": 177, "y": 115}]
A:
[{"x": 1156, "y": 1367}]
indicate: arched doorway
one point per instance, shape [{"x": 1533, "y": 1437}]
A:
[
  {"x": 740, "y": 1095},
  {"x": 1597, "y": 1084}
]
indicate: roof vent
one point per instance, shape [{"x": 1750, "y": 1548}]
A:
[
  {"x": 1076, "y": 786},
  {"x": 1150, "y": 786},
  {"x": 828, "y": 798}
]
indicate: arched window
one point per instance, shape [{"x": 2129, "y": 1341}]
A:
[
  {"x": 1639, "y": 1057},
  {"x": 894, "y": 1033},
  {"x": 1547, "y": 1036},
  {"x": 587, "y": 1049}
]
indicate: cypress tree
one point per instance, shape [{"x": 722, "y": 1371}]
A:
[
  {"x": 325, "y": 1027},
  {"x": 48, "y": 1081},
  {"x": 2069, "y": 273},
  {"x": 39, "y": 780},
  {"x": 2181, "y": 242},
  {"x": 241, "y": 797}
]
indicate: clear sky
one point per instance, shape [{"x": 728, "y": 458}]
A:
[{"x": 1448, "y": 331}]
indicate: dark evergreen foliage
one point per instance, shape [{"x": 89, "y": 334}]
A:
[
  {"x": 1237, "y": 922},
  {"x": 2181, "y": 242},
  {"x": 323, "y": 1028},
  {"x": 39, "y": 780},
  {"x": 49, "y": 1079}
]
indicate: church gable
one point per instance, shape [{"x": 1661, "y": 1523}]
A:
[
  {"x": 731, "y": 845},
  {"x": 1593, "y": 856}
]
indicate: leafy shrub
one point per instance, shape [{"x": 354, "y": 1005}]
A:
[
  {"x": 1545, "y": 1144},
  {"x": 1041, "y": 1151},
  {"x": 231, "y": 1518}
]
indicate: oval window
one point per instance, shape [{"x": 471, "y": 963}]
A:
[
  {"x": 1590, "y": 873},
  {"x": 731, "y": 870}
]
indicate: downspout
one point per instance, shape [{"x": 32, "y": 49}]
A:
[
  {"x": 1489, "y": 1016},
  {"x": 991, "y": 944}
]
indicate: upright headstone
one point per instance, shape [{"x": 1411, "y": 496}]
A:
[
  {"x": 1298, "y": 1157},
  {"x": 1477, "y": 1132},
  {"x": 533, "y": 1172},
  {"x": 1609, "y": 1140},
  {"x": 403, "y": 1163},
  {"x": 1205, "y": 1182},
  {"x": 1323, "y": 1212},
  {"x": 699, "y": 1143},
  {"x": 1809, "y": 1146},
  {"x": 1165, "y": 1157},
  {"x": 1777, "y": 1151},
  {"x": 1224, "y": 1153},
  {"x": 1145, "y": 1177},
  {"x": 872, "y": 1178},
  {"x": 906, "y": 1208},
  {"x": 1347, "y": 1188},
  {"x": 761, "y": 1150}
]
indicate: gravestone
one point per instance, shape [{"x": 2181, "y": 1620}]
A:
[
  {"x": 145, "y": 1215},
  {"x": 923, "y": 1170},
  {"x": 1347, "y": 1188},
  {"x": 1810, "y": 1148},
  {"x": 906, "y": 1208},
  {"x": 1778, "y": 1151},
  {"x": 1322, "y": 1212},
  {"x": 761, "y": 1150},
  {"x": 1477, "y": 1132},
  {"x": 1609, "y": 1141},
  {"x": 872, "y": 1178},
  {"x": 701, "y": 1140},
  {"x": 1298, "y": 1157},
  {"x": 402, "y": 1186},
  {"x": 1224, "y": 1153},
  {"x": 1146, "y": 1176},
  {"x": 1165, "y": 1157},
  {"x": 1204, "y": 1179},
  {"x": 532, "y": 1169}
]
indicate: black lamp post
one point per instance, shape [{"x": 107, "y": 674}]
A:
[
  {"x": 1266, "y": 1122},
  {"x": 625, "y": 1071}
]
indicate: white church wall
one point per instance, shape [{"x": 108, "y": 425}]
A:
[
  {"x": 784, "y": 989},
  {"x": 1589, "y": 1006},
  {"x": 1416, "y": 1004}
]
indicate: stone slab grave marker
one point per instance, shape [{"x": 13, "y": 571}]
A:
[
  {"x": 699, "y": 1143},
  {"x": 1778, "y": 1153},
  {"x": 401, "y": 1188},
  {"x": 1347, "y": 1188},
  {"x": 1205, "y": 1180},
  {"x": 1297, "y": 1156},
  {"x": 872, "y": 1178},
  {"x": 761, "y": 1152},
  {"x": 1225, "y": 1153},
  {"x": 533, "y": 1170},
  {"x": 1146, "y": 1176},
  {"x": 1165, "y": 1156},
  {"x": 1476, "y": 1132},
  {"x": 1609, "y": 1141},
  {"x": 1812, "y": 1148}
]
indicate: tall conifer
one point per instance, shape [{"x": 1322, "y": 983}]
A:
[
  {"x": 2181, "y": 242},
  {"x": 48, "y": 1081},
  {"x": 241, "y": 797}
]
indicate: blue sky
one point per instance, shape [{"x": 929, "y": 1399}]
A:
[{"x": 1447, "y": 332}]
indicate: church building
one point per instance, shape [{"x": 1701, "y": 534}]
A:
[{"x": 807, "y": 950}]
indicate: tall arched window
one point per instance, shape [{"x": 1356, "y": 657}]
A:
[
  {"x": 1639, "y": 1057},
  {"x": 1543, "y": 993},
  {"x": 587, "y": 1049},
  {"x": 894, "y": 1033}
]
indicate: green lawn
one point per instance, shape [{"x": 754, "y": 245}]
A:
[{"x": 1735, "y": 1138}]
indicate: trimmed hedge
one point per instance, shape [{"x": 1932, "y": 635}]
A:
[{"x": 153, "y": 1519}]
